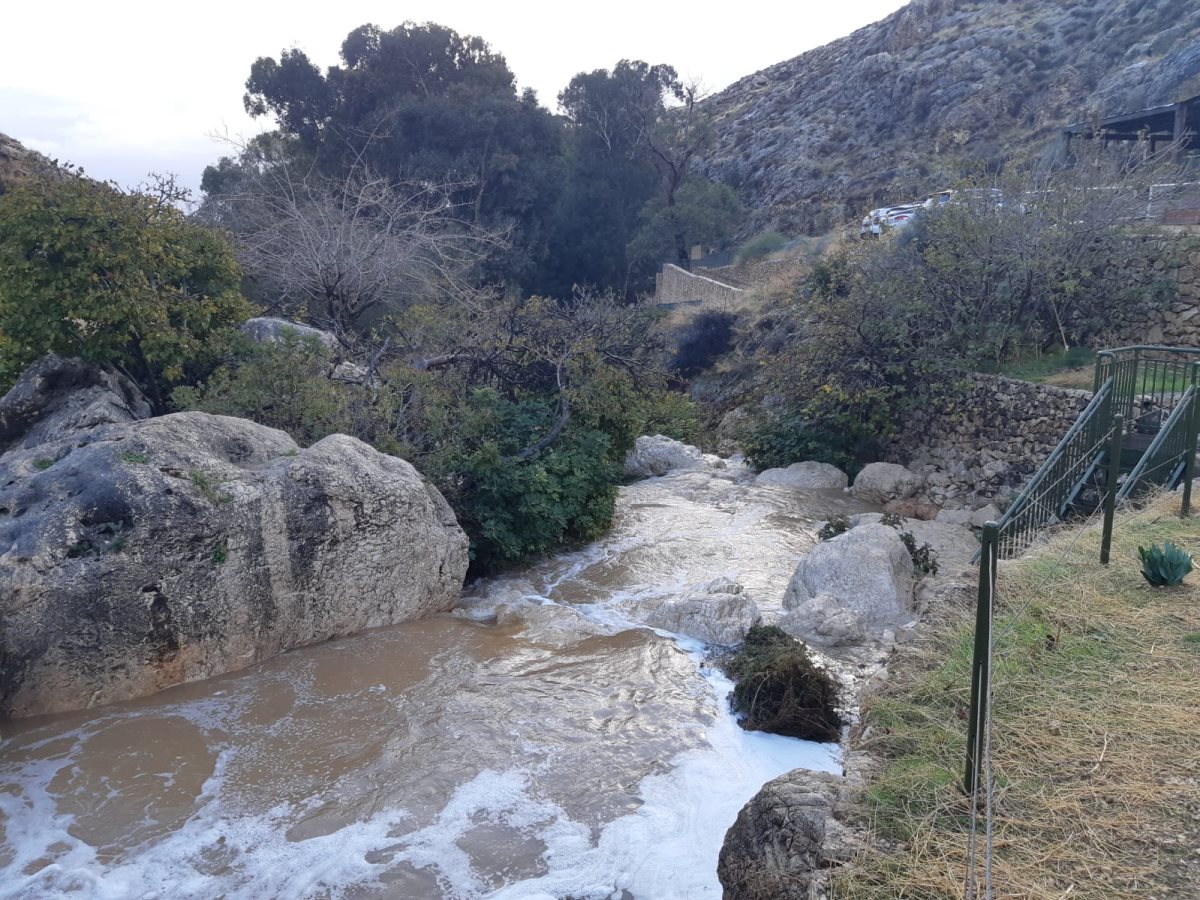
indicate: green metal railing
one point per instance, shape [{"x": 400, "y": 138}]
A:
[
  {"x": 1092, "y": 452},
  {"x": 1161, "y": 373},
  {"x": 1164, "y": 461},
  {"x": 1089, "y": 455},
  {"x": 1061, "y": 478}
]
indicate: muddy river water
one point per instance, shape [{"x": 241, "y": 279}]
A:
[{"x": 536, "y": 743}]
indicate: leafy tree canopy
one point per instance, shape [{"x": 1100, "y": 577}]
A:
[{"x": 423, "y": 102}]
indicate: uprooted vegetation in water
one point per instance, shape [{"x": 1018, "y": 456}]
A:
[
  {"x": 1097, "y": 706},
  {"x": 778, "y": 687}
]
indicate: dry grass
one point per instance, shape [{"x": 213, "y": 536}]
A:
[
  {"x": 1097, "y": 722},
  {"x": 1081, "y": 379}
]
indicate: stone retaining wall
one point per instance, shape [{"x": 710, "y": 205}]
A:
[
  {"x": 984, "y": 435},
  {"x": 675, "y": 285},
  {"x": 1164, "y": 291}
]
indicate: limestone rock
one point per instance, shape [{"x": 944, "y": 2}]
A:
[
  {"x": 775, "y": 850},
  {"x": 56, "y": 397},
  {"x": 913, "y": 79},
  {"x": 954, "y": 517},
  {"x": 985, "y": 514},
  {"x": 863, "y": 578},
  {"x": 807, "y": 475},
  {"x": 825, "y": 620},
  {"x": 911, "y": 509},
  {"x": 136, "y": 555},
  {"x": 717, "y": 612},
  {"x": 881, "y": 482},
  {"x": 659, "y": 455},
  {"x": 270, "y": 330},
  {"x": 953, "y": 544}
]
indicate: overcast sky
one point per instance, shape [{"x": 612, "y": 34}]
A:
[{"x": 124, "y": 87}]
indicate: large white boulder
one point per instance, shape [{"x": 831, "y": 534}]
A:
[
  {"x": 808, "y": 475},
  {"x": 139, "y": 554},
  {"x": 658, "y": 455},
  {"x": 952, "y": 544},
  {"x": 881, "y": 482},
  {"x": 850, "y": 587}
]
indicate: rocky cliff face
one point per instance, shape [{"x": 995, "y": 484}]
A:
[
  {"x": 904, "y": 105},
  {"x": 138, "y": 553}
]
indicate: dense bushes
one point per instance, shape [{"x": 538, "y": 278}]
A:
[
  {"x": 480, "y": 439},
  {"x": 1000, "y": 273},
  {"x": 119, "y": 278}
]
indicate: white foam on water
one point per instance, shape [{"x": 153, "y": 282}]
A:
[
  {"x": 668, "y": 848},
  {"x": 211, "y": 855}
]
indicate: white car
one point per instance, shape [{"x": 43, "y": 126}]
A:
[{"x": 898, "y": 217}]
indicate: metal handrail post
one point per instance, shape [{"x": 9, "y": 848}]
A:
[
  {"x": 981, "y": 660},
  {"x": 1189, "y": 454},
  {"x": 1110, "y": 489}
]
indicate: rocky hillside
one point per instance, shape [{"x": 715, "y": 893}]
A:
[
  {"x": 938, "y": 88},
  {"x": 18, "y": 162}
]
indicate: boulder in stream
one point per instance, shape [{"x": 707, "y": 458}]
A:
[
  {"x": 881, "y": 483},
  {"x": 785, "y": 839},
  {"x": 849, "y": 587},
  {"x": 716, "y": 612},
  {"x": 808, "y": 475},
  {"x": 142, "y": 553},
  {"x": 658, "y": 455}
]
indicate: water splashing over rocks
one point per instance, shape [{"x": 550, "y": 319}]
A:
[{"x": 539, "y": 742}]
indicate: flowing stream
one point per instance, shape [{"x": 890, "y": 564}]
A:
[{"x": 536, "y": 743}]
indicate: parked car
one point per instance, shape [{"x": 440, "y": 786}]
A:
[
  {"x": 871, "y": 222},
  {"x": 941, "y": 198},
  {"x": 900, "y": 217}
]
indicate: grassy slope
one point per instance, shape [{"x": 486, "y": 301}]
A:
[{"x": 1097, "y": 724}]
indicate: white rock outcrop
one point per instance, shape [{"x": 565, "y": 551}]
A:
[
  {"x": 658, "y": 455},
  {"x": 808, "y": 475},
  {"x": 139, "y": 554},
  {"x": 849, "y": 588},
  {"x": 880, "y": 483}
]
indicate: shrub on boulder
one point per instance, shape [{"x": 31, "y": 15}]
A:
[{"x": 778, "y": 688}]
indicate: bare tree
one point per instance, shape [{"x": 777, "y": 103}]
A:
[{"x": 354, "y": 248}]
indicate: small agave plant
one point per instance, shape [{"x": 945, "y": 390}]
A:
[{"x": 1165, "y": 565}]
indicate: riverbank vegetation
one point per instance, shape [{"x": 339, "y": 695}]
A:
[
  {"x": 474, "y": 261},
  {"x": 1097, "y": 705},
  {"x": 1031, "y": 267}
]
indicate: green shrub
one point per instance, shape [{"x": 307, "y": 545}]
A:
[
  {"x": 760, "y": 245},
  {"x": 465, "y": 440},
  {"x": 777, "y": 441},
  {"x": 924, "y": 559},
  {"x": 778, "y": 688},
  {"x": 831, "y": 529},
  {"x": 1165, "y": 565},
  {"x": 122, "y": 279}
]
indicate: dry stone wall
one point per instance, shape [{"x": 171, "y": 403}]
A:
[
  {"x": 984, "y": 435},
  {"x": 1164, "y": 295}
]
